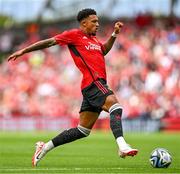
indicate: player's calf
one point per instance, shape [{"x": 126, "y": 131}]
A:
[{"x": 70, "y": 135}]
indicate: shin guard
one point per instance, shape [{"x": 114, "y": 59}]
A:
[
  {"x": 115, "y": 120},
  {"x": 70, "y": 135}
]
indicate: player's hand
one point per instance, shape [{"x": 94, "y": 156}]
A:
[
  {"x": 117, "y": 27},
  {"x": 15, "y": 55}
]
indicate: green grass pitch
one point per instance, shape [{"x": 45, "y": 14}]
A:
[{"x": 95, "y": 154}]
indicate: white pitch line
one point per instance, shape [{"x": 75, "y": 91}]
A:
[
  {"x": 12, "y": 169},
  {"x": 71, "y": 169}
]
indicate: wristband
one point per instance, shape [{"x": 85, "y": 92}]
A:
[{"x": 114, "y": 34}]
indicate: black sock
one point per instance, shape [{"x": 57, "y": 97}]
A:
[
  {"x": 67, "y": 136},
  {"x": 115, "y": 121}
]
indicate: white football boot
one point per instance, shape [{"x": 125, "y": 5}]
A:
[
  {"x": 127, "y": 151},
  {"x": 39, "y": 153}
]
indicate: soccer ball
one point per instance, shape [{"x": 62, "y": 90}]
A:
[{"x": 160, "y": 158}]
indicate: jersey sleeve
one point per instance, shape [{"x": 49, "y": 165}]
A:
[{"x": 65, "y": 38}]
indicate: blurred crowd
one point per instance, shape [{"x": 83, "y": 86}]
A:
[{"x": 143, "y": 69}]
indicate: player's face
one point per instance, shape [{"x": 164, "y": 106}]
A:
[{"x": 91, "y": 24}]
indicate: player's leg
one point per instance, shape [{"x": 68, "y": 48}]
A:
[
  {"x": 86, "y": 122},
  {"x": 112, "y": 106}
]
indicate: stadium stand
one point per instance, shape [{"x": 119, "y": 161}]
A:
[{"x": 143, "y": 69}]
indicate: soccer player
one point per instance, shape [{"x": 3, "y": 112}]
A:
[{"x": 88, "y": 54}]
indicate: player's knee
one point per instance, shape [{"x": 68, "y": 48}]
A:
[
  {"x": 116, "y": 107},
  {"x": 84, "y": 130}
]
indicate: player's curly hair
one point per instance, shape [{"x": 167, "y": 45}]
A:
[{"x": 84, "y": 13}]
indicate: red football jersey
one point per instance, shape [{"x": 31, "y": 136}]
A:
[{"x": 87, "y": 53}]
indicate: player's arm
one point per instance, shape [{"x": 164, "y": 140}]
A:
[
  {"x": 36, "y": 46},
  {"x": 108, "y": 45}
]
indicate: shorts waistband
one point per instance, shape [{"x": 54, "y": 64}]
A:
[{"x": 103, "y": 81}]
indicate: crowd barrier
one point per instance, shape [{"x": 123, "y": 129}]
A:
[{"x": 54, "y": 124}]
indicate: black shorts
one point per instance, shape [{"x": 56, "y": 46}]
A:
[{"x": 94, "y": 96}]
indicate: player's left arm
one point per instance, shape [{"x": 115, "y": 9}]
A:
[{"x": 108, "y": 45}]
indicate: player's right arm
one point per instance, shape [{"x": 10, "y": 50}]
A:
[{"x": 36, "y": 46}]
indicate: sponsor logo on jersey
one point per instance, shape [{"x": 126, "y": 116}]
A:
[
  {"x": 92, "y": 46},
  {"x": 84, "y": 37}
]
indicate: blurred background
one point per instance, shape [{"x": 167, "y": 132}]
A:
[{"x": 41, "y": 90}]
